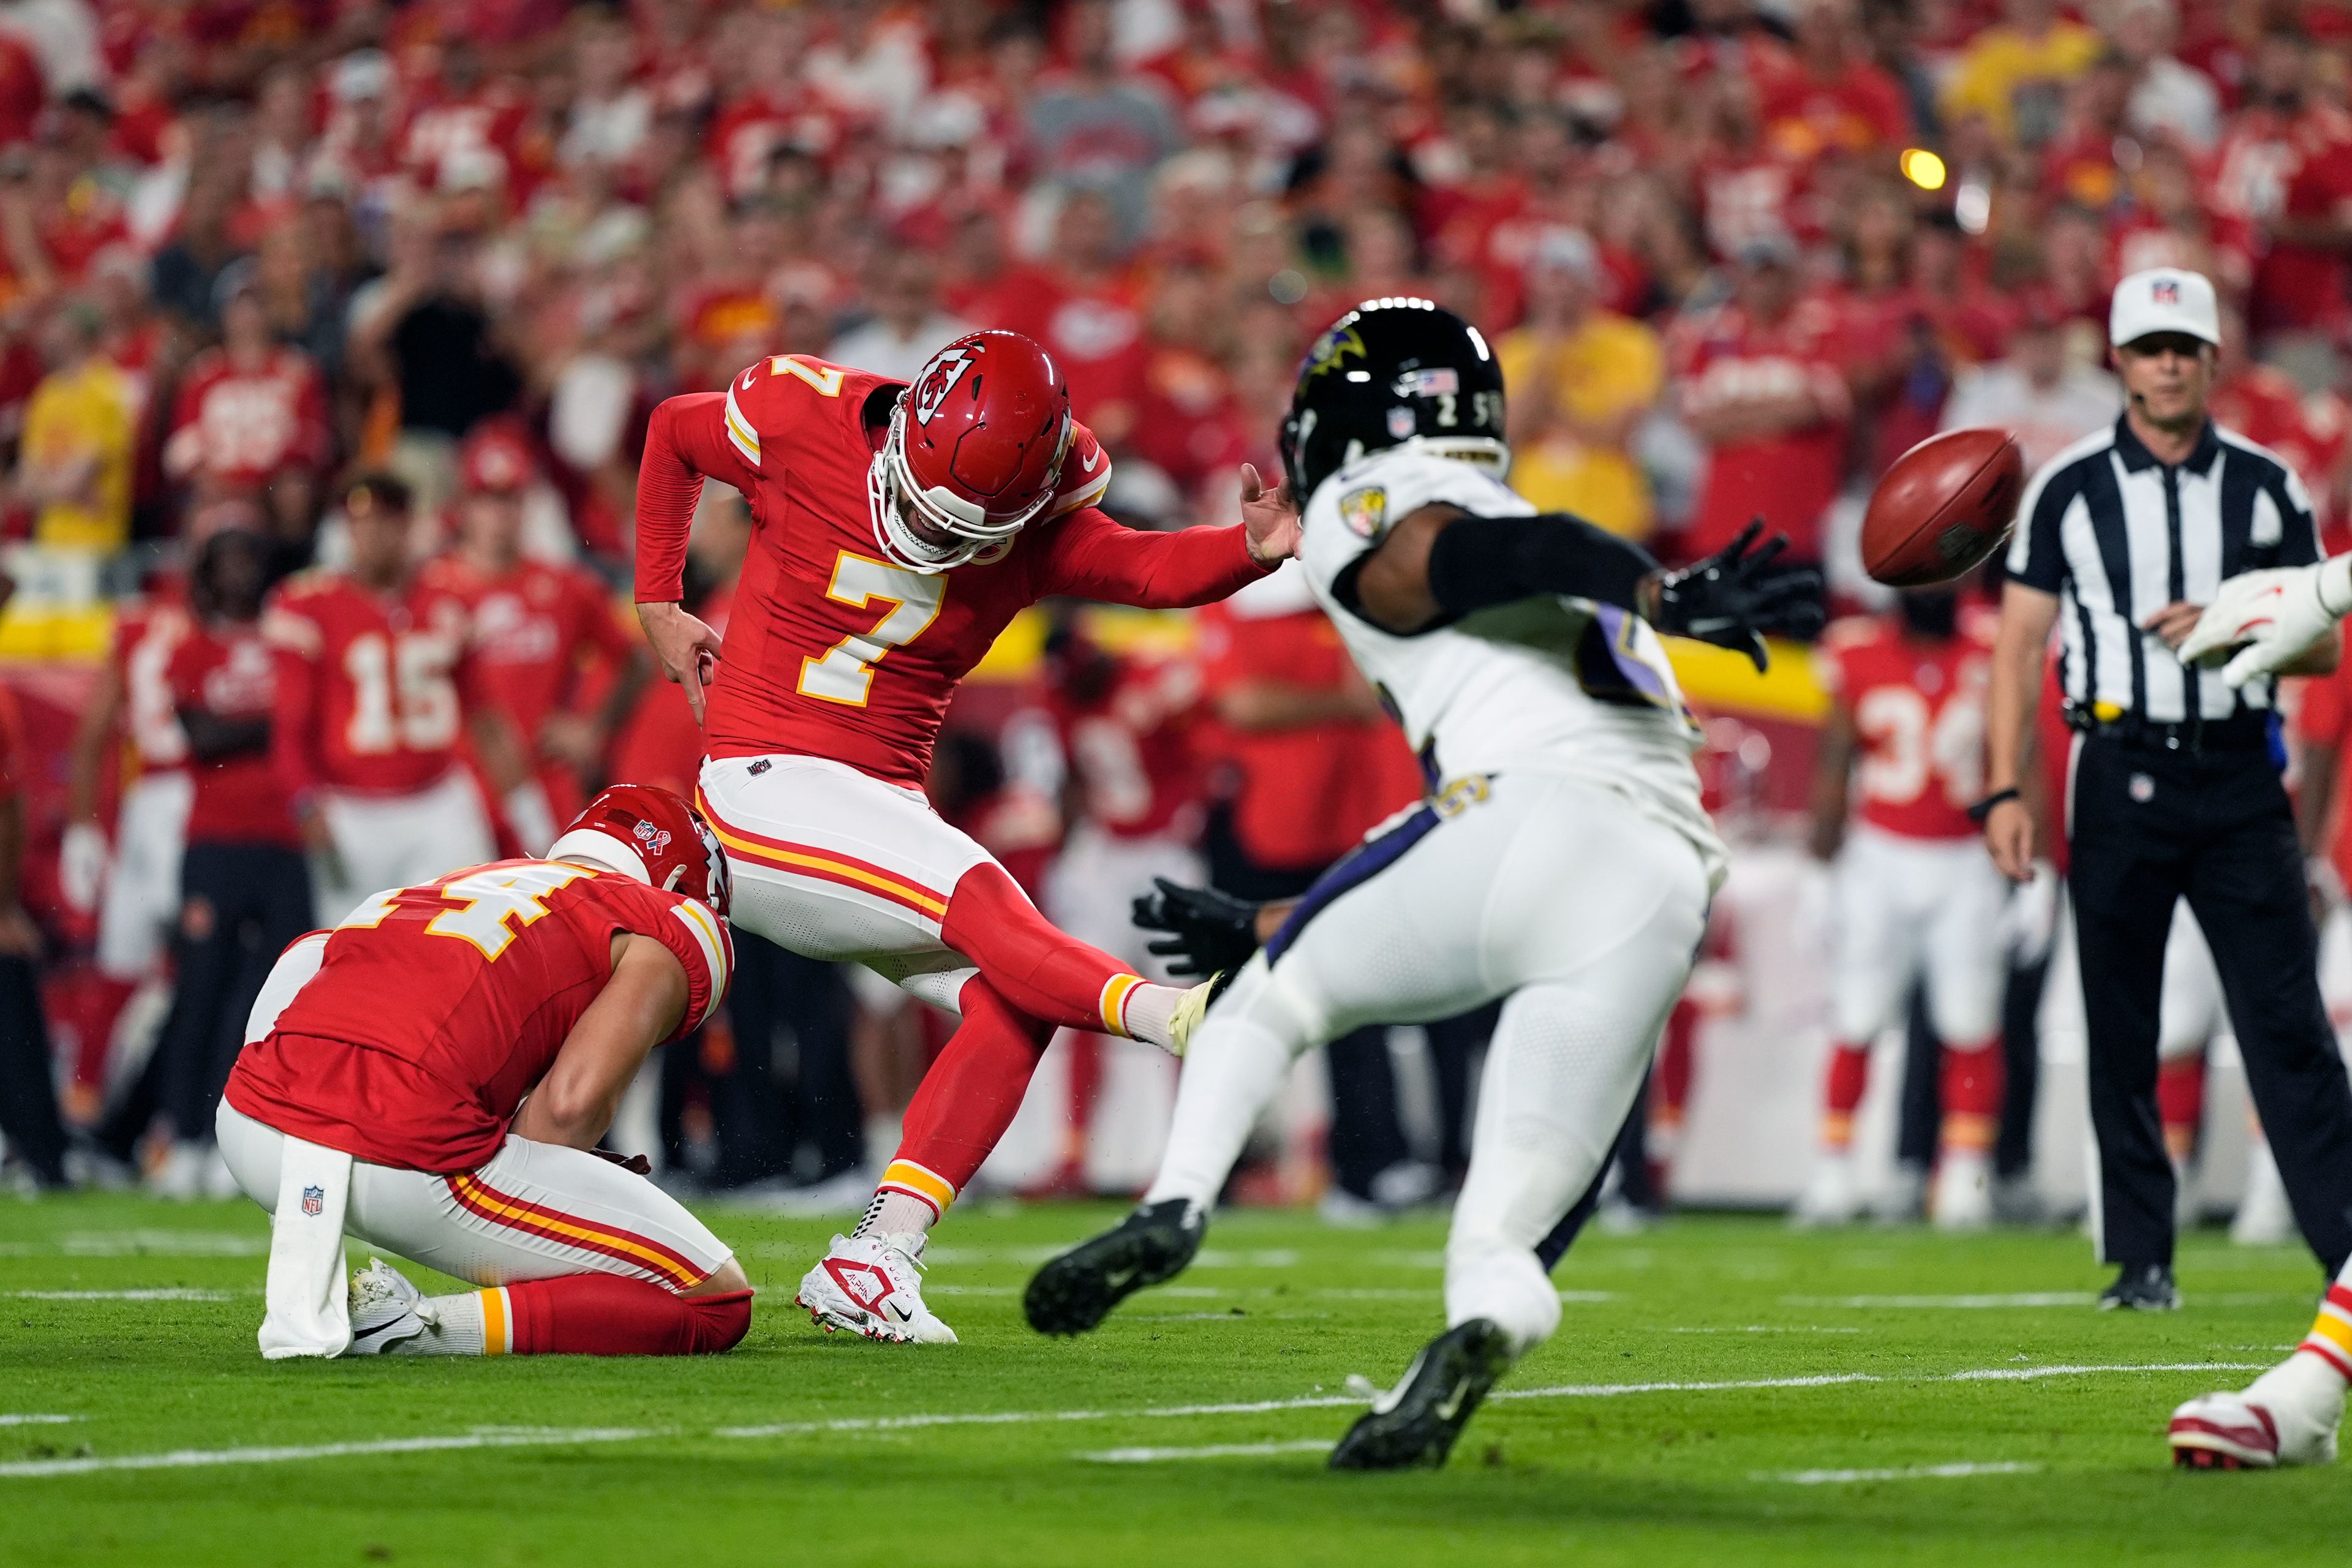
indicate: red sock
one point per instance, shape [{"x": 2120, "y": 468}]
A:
[
  {"x": 967, "y": 1099},
  {"x": 1045, "y": 972},
  {"x": 604, "y": 1314},
  {"x": 1672, "y": 1082},
  {"x": 1085, "y": 1084},
  {"x": 1972, "y": 1085},
  {"x": 1849, "y": 1075},
  {"x": 2180, "y": 1100}
]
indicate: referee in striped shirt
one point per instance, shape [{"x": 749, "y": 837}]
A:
[{"x": 2173, "y": 786}]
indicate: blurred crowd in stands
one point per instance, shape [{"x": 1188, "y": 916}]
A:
[{"x": 285, "y": 271}]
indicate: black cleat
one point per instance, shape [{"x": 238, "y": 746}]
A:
[
  {"x": 1150, "y": 1247},
  {"x": 2141, "y": 1288},
  {"x": 1415, "y": 1423}
]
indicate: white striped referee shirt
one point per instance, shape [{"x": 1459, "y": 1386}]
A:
[{"x": 2118, "y": 535}]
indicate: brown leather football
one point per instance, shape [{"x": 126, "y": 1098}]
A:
[{"x": 1943, "y": 506}]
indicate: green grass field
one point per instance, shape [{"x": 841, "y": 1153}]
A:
[{"x": 1690, "y": 1410}]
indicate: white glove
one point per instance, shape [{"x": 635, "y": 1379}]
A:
[
  {"x": 532, "y": 819},
  {"x": 2262, "y": 621},
  {"x": 81, "y": 866}
]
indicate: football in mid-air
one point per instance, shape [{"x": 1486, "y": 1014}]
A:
[{"x": 1943, "y": 506}]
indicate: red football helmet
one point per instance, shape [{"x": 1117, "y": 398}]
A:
[
  {"x": 646, "y": 832},
  {"x": 495, "y": 458},
  {"x": 975, "y": 452}
]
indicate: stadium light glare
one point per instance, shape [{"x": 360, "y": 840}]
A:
[{"x": 1923, "y": 168}]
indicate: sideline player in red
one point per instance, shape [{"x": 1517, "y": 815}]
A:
[
  {"x": 897, "y": 530},
  {"x": 1913, "y": 899},
  {"x": 376, "y": 690},
  {"x": 534, "y": 630},
  {"x": 434, "y": 1075}
]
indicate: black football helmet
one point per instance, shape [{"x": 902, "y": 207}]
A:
[{"x": 1391, "y": 371}]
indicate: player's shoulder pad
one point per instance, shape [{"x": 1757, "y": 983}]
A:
[
  {"x": 776, "y": 396},
  {"x": 1372, "y": 494},
  {"x": 1086, "y": 473},
  {"x": 289, "y": 616},
  {"x": 698, "y": 939}
]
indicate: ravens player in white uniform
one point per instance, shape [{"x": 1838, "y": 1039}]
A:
[{"x": 1562, "y": 860}]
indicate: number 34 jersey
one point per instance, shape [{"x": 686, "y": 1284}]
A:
[
  {"x": 434, "y": 1009},
  {"x": 1917, "y": 707},
  {"x": 1547, "y": 684}
]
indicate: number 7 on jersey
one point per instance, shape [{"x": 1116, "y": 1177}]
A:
[{"x": 845, "y": 674}]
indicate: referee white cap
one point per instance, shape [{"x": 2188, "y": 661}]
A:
[{"x": 2164, "y": 300}]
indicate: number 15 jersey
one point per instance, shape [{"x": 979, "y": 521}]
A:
[
  {"x": 832, "y": 651},
  {"x": 434, "y": 1009}
]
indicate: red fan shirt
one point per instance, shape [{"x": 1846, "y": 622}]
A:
[
  {"x": 230, "y": 671},
  {"x": 436, "y": 1008},
  {"x": 832, "y": 651},
  {"x": 1917, "y": 706},
  {"x": 1789, "y": 479},
  {"x": 242, "y": 427},
  {"x": 369, "y": 685}
]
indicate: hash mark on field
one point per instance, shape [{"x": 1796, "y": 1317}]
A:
[
  {"x": 1910, "y": 1473},
  {"x": 1208, "y": 1451},
  {"x": 2012, "y": 1299},
  {"x": 144, "y": 1243},
  {"x": 1769, "y": 1329},
  {"x": 8, "y": 1419}
]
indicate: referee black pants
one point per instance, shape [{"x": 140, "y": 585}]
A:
[{"x": 2151, "y": 827}]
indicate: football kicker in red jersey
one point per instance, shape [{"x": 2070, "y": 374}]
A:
[{"x": 897, "y": 530}]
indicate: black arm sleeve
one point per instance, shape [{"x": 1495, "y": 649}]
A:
[{"x": 1481, "y": 561}]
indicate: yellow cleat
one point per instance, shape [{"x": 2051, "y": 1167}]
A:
[{"x": 1191, "y": 1008}]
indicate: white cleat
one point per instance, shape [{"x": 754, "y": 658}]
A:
[
  {"x": 1963, "y": 1193},
  {"x": 2234, "y": 1432},
  {"x": 873, "y": 1285},
  {"x": 1829, "y": 1198},
  {"x": 179, "y": 1177},
  {"x": 386, "y": 1310}
]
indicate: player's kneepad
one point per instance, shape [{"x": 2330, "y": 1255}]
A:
[{"x": 717, "y": 1323}]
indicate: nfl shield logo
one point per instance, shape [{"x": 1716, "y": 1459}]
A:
[
  {"x": 1402, "y": 423},
  {"x": 314, "y": 1201},
  {"x": 2165, "y": 292}
]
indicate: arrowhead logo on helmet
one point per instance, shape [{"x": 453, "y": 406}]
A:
[{"x": 939, "y": 379}]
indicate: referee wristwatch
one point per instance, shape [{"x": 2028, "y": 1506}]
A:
[{"x": 1983, "y": 808}]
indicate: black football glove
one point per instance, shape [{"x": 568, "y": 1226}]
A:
[
  {"x": 1732, "y": 598},
  {"x": 1209, "y": 932}
]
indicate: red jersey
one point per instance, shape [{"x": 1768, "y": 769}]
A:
[
  {"x": 2270, "y": 167},
  {"x": 2323, "y": 716},
  {"x": 436, "y": 1008},
  {"x": 368, "y": 683},
  {"x": 228, "y": 671},
  {"x": 1789, "y": 479},
  {"x": 1300, "y": 797},
  {"x": 144, "y": 638},
  {"x": 832, "y": 651},
  {"x": 243, "y": 427},
  {"x": 1129, "y": 752},
  {"x": 1918, "y": 709},
  {"x": 531, "y": 631}
]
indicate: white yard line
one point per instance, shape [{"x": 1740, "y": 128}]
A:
[
  {"x": 1769, "y": 1329},
  {"x": 9, "y": 1419},
  {"x": 1210, "y": 1451},
  {"x": 160, "y": 1294},
  {"x": 180, "y": 1458},
  {"x": 2013, "y": 1298},
  {"x": 505, "y": 1439},
  {"x": 1910, "y": 1473}
]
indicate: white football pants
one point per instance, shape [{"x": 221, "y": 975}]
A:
[{"x": 1555, "y": 893}]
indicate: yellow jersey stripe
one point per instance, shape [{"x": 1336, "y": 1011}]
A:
[
  {"x": 740, "y": 431},
  {"x": 1115, "y": 993},
  {"x": 931, "y": 903},
  {"x": 525, "y": 1219}
]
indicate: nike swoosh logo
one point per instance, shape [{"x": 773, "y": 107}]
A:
[
  {"x": 1452, "y": 1402},
  {"x": 1092, "y": 460},
  {"x": 747, "y": 378},
  {"x": 358, "y": 1334}
]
